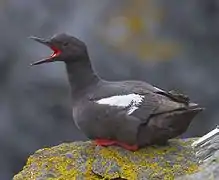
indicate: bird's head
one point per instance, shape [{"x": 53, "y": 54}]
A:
[{"x": 65, "y": 48}]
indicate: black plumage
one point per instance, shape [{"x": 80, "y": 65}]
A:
[{"x": 132, "y": 114}]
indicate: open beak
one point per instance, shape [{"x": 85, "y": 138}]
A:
[{"x": 52, "y": 58}]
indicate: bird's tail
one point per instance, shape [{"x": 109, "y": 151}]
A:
[{"x": 168, "y": 125}]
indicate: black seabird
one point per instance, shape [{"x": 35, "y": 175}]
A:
[{"x": 131, "y": 114}]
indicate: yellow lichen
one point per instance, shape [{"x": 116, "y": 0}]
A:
[{"x": 84, "y": 159}]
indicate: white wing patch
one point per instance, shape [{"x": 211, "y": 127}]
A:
[{"x": 130, "y": 100}]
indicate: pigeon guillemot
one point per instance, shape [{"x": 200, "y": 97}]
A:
[{"x": 131, "y": 114}]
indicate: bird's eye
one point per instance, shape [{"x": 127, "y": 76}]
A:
[{"x": 65, "y": 44}]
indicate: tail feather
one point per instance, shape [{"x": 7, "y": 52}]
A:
[{"x": 165, "y": 126}]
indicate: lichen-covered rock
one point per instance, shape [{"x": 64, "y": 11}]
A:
[
  {"x": 86, "y": 161},
  {"x": 209, "y": 170},
  {"x": 207, "y": 152}
]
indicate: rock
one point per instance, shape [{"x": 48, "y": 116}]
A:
[
  {"x": 208, "y": 171},
  {"x": 207, "y": 152},
  {"x": 180, "y": 159},
  {"x": 207, "y": 145},
  {"x": 84, "y": 160}
]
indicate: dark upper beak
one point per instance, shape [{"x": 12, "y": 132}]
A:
[
  {"x": 40, "y": 40},
  {"x": 45, "y": 42}
]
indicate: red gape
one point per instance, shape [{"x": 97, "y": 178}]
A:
[
  {"x": 56, "y": 52},
  {"x": 106, "y": 142}
]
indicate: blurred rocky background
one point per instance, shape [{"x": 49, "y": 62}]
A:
[{"x": 171, "y": 44}]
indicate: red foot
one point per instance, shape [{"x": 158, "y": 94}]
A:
[{"x": 106, "y": 142}]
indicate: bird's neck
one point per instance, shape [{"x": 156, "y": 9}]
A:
[{"x": 81, "y": 76}]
